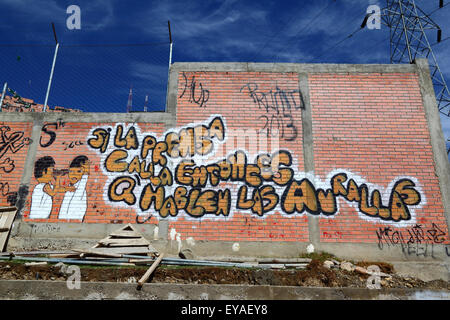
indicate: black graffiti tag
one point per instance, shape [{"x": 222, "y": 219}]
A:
[
  {"x": 279, "y": 105},
  {"x": 72, "y": 144},
  {"x": 4, "y": 191},
  {"x": 197, "y": 93},
  {"x": 7, "y": 165},
  {"x": 12, "y": 141},
  {"x": 52, "y": 134},
  {"x": 418, "y": 240}
]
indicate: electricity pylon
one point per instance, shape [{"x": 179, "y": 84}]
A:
[{"x": 408, "y": 40}]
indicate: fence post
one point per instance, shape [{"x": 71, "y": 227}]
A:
[
  {"x": 170, "y": 63},
  {"x": 51, "y": 76},
  {"x": 5, "y": 86}
]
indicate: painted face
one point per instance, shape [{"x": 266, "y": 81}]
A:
[
  {"x": 75, "y": 175},
  {"x": 47, "y": 175}
]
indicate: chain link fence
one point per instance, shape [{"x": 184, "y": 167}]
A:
[{"x": 90, "y": 78}]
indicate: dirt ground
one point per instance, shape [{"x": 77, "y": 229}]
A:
[{"x": 315, "y": 275}]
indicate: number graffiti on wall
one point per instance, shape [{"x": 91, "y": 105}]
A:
[
  {"x": 51, "y": 134},
  {"x": 279, "y": 105}
]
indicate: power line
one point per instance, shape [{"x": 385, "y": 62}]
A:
[
  {"x": 439, "y": 8},
  {"x": 117, "y": 44},
  {"x": 307, "y": 27},
  {"x": 279, "y": 31},
  {"x": 439, "y": 42},
  {"x": 339, "y": 42}
]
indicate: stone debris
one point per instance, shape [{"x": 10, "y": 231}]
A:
[
  {"x": 361, "y": 270},
  {"x": 328, "y": 264},
  {"x": 186, "y": 254},
  {"x": 62, "y": 268},
  {"x": 347, "y": 266},
  {"x": 337, "y": 263}
]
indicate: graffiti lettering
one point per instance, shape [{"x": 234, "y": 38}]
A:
[
  {"x": 7, "y": 165},
  {"x": 51, "y": 134},
  {"x": 200, "y": 97},
  {"x": 11, "y": 142},
  {"x": 168, "y": 176},
  {"x": 278, "y": 105},
  {"x": 414, "y": 240},
  {"x": 11, "y": 197},
  {"x": 331, "y": 235},
  {"x": 72, "y": 144}
]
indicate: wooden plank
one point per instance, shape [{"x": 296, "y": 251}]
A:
[
  {"x": 6, "y": 224},
  {"x": 7, "y": 209},
  {"x": 125, "y": 234},
  {"x": 126, "y": 250},
  {"x": 150, "y": 271},
  {"x": 4, "y": 229},
  {"x": 3, "y": 219},
  {"x": 124, "y": 242}
]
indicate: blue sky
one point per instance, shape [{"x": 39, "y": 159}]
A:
[{"x": 98, "y": 78}]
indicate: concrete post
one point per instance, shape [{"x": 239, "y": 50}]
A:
[
  {"x": 308, "y": 150},
  {"x": 441, "y": 163}
]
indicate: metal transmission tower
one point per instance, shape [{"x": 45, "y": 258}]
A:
[{"x": 408, "y": 26}]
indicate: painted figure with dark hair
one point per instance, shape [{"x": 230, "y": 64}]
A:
[
  {"x": 42, "y": 197},
  {"x": 74, "y": 204}
]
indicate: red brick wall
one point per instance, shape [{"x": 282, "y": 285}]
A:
[
  {"x": 373, "y": 125},
  {"x": 230, "y": 95},
  {"x": 369, "y": 128},
  {"x": 14, "y": 143}
]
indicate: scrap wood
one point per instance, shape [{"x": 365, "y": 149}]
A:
[
  {"x": 126, "y": 234},
  {"x": 150, "y": 271},
  {"x": 7, "y": 216},
  {"x": 124, "y": 242}
]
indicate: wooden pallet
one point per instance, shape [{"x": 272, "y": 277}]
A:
[{"x": 7, "y": 215}]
